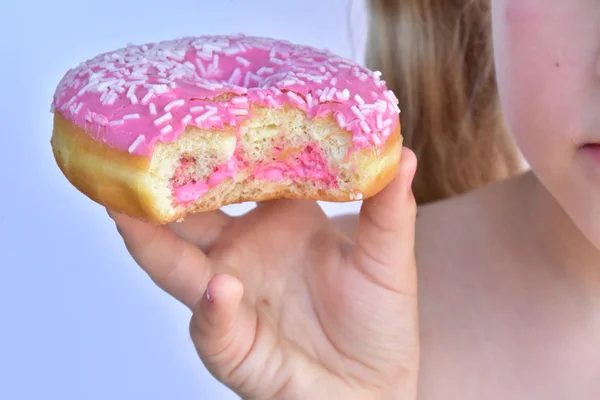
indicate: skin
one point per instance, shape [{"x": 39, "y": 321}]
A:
[
  {"x": 285, "y": 303},
  {"x": 508, "y": 276}
]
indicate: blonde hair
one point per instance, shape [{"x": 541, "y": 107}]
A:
[{"x": 436, "y": 55}]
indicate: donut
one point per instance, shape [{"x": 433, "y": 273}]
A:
[{"x": 160, "y": 130}]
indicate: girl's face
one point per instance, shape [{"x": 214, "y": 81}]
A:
[{"x": 547, "y": 59}]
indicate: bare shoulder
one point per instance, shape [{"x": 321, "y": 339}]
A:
[
  {"x": 464, "y": 228},
  {"x": 459, "y": 250}
]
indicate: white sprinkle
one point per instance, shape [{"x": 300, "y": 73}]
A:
[
  {"x": 357, "y": 112},
  {"x": 112, "y": 97},
  {"x": 379, "y": 120},
  {"x": 186, "y": 120},
  {"x": 247, "y": 79},
  {"x": 381, "y": 105},
  {"x": 160, "y": 89},
  {"x": 209, "y": 107},
  {"x": 131, "y": 116},
  {"x": 391, "y": 96},
  {"x": 160, "y": 120},
  {"x": 377, "y": 74},
  {"x": 386, "y": 132},
  {"x": 265, "y": 70},
  {"x": 136, "y": 143},
  {"x": 196, "y": 109},
  {"x": 296, "y": 99},
  {"x": 189, "y": 65},
  {"x": 103, "y": 96},
  {"x": 83, "y": 90},
  {"x": 333, "y": 81},
  {"x": 152, "y": 107},
  {"x": 167, "y": 129},
  {"x": 100, "y": 119},
  {"x": 271, "y": 101},
  {"x": 147, "y": 97},
  {"x": 116, "y": 122},
  {"x": 234, "y": 79},
  {"x": 324, "y": 95},
  {"x": 344, "y": 95},
  {"x": 365, "y": 127},
  {"x": 174, "y": 103},
  {"x": 242, "y": 61},
  {"x": 118, "y": 89},
  {"x": 201, "y": 67},
  {"x": 340, "y": 120},
  {"x": 288, "y": 82},
  {"x": 204, "y": 116},
  {"x": 309, "y": 100},
  {"x": 231, "y": 51},
  {"x": 239, "y": 100},
  {"x": 275, "y": 60},
  {"x": 238, "y": 111},
  {"x": 131, "y": 90},
  {"x": 133, "y": 99},
  {"x": 359, "y": 99},
  {"x": 367, "y": 108},
  {"x": 377, "y": 140},
  {"x": 215, "y": 62},
  {"x": 387, "y": 122},
  {"x": 210, "y": 47},
  {"x": 78, "y": 108},
  {"x": 106, "y": 84},
  {"x": 331, "y": 67},
  {"x": 71, "y": 101},
  {"x": 331, "y": 93}
]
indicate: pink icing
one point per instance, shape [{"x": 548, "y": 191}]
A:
[
  {"x": 133, "y": 97},
  {"x": 309, "y": 164}
]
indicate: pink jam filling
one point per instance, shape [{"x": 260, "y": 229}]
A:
[
  {"x": 307, "y": 165},
  {"x": 310, "y": 164},
  {"x": 192, "y": 190}
]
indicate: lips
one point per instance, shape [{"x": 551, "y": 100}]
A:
[{"x": 591, "y": 151}]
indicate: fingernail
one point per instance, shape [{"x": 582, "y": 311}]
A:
[
  {"x": 411, "y": 177},
  {"x": 209, "y": 297}
]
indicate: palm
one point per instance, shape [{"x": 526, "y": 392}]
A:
[{"x": 315, "y": 306}]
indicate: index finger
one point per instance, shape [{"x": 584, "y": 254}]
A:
[{"x": 175, "y": 265}]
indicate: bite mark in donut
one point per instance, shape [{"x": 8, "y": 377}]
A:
[{"x": 196, "y": 123}]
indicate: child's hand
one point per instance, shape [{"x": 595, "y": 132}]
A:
[{"x": 288, "y": 307}]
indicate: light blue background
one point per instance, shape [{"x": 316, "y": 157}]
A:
[{"x": 78, "y": 319}]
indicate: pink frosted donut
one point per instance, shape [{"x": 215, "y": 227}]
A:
[{"x": 160, "y": 130}]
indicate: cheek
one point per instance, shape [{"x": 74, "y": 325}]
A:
[
  {"x": 545, "y": 61},
  {"x": 546, "y": 55}
]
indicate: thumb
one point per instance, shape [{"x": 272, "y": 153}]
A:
[
  {"x": 223, "y": 328},
  {"x": 385, "y": 239}
]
